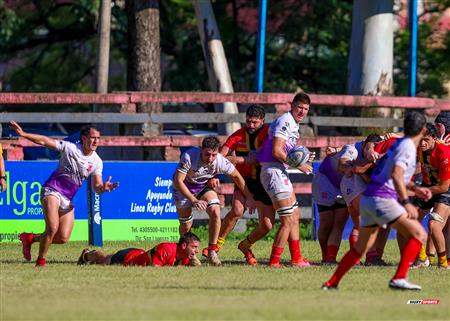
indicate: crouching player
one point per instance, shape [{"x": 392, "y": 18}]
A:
[
  {"x": 190, "y": 190},
  {"x": 163, "y": 254},
  {"x": 386, "y": 202}
]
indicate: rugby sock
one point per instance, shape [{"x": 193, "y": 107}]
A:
[
  {"x": 332, "y": 252},
  {"x": 371, "y": 255},
  {"x": 422, "y": 254},
  {"x": 346, "y": 264},
  {"x": 352, "y": 240},
  {"x": 41, "y": 261},
  {"x": 275, "y": 255},
  {"x": 323, "y": 248},
  {"x": 247, "y": 243},
  {"x": 442, "y": 260},
  {"x": 409, "y": 253},
  {"x": 220, "y": 243},
  {"x": 294, "y": 248},
  {"x": 212, "y": 247},
  {"x": 431, "y": 258}
]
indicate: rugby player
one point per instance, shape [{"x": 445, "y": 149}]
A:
[
  {"x": 326, "y": 190},
  {"x": 283, "y": 136},
  {"x": 78, "y": 161},
  {"x": 239, "y": 149},
  {"x": 434, "y": 158},
  {"x": 190, "y": 190},
  {"x": 386, "y": 202},
  {"x": 163, "y": 254}
]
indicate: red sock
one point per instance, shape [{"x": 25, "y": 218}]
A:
[
  {"x": 41, "y": 261},
  {"x": 212, "y": 247},
  {"x": 346, "y": 264},
  {"x": 380, "y": 252},
  {"x": 371, "y": 255},
  {"x": 294, "y": 248},
  {"x": 323, "y": 248},
  {"x": 409, "y": 253},
  {"x": 275, "y": 255},
  {"x": 332, "y": 252},
  {"x": 352, "y": 240}
]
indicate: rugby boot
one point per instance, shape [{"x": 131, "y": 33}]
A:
[
  {"x": 248, "y": 254},
  {"x": 403, "y": 284},
  {"x": 213, "y": 258},
  {"x": 27, "y": 240},
  {"x": 328, "y": 287},
  {"x": 302, "y": 262}
]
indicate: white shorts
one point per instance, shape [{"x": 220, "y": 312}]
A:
[
  {"x": 323, "y": 191},
  {"x": 379, "y": 211},
  {"x": 275, "y": 180},
  {"x": 65, "y": 205},
  {"x": 182, "y": 202},
  {"x": 351, "y": 187}
]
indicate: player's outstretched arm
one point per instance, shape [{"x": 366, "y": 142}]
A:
[
  {"x": 35, "y": 138},
  {"x": 100, "y": 187}
]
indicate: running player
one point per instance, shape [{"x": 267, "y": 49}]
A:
[
  {"x": 239, "y": 149},
  {"x": 434, "y": 158},
  {"x": 77, "y": 162},
  {"x": 283, "y": 136},
  {"x": 2, "y": 172},
  {"x": 163, "y": 254},
  {"x": 190, "y": 190},
  {"x": 386, "y": 202}
]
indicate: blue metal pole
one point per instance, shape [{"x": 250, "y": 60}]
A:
[
  {"x": 413, "y": 31},
  {"x": 260, "y": 45}
]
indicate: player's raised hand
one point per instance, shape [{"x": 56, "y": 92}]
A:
[
  {"x": 16, "y": 127},
  {"x": 250, "y": 204},
  {"x": 305, "y": 168},
  {"x": 200, "y": 204},
  {"x": 412, "y": 211},
  {"x": 213, "y": 183},
  {"x": 109, "y": 186},
  {"x": 312, "y": 157},
  {"x": 423, "y": 193}
]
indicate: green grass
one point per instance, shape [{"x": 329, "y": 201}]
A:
[{"x": 65, "y": 291}]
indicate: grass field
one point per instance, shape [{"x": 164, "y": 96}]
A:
[{"x": 65, "y": 291}]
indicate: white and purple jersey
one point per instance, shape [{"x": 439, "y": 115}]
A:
[
  {"x": 73, "y": 168},
  {"x": 284, "y": 127},
  {"x": 402, "y": 153},
  {"x": 198, "y": 173},
  {"x": 330, "y": 165}
]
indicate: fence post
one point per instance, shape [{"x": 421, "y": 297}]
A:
[{"x": 94, "y": 216}]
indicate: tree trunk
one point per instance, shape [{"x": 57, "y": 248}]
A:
[
  {"x": 372, "y": 51},
  {"x": 215, "y": 60},
  {"x": 143, "y": 65}
]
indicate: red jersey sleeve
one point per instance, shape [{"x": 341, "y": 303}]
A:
[
  {"x": 383, "y": 146},
  {"x": 443, "y": 163},
  {"x": 234, "y": 139}
]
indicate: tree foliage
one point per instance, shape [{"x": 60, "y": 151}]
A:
[{"x": 50, "y": 46}]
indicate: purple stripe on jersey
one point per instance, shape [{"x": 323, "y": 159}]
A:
[
  {"x": 194, "y": 188},
  {"x": 264, "y": 155},
  {"x": 63, "y": 184},
  {"x": 327, "y": 168},
  {"x": 383, "y": 191}
]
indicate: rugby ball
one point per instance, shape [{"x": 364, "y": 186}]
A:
[{"x": 297, "y": 156}]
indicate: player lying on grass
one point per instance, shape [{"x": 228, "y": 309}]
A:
[
  {"x": 386, "y": 202},
  {"x": 163, "y": 254},
  {"x": 190, "y": 190},
  {"x": 78, "y": 161}
]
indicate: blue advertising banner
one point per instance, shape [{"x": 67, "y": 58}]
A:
[{"x": 140, "y": 208}]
